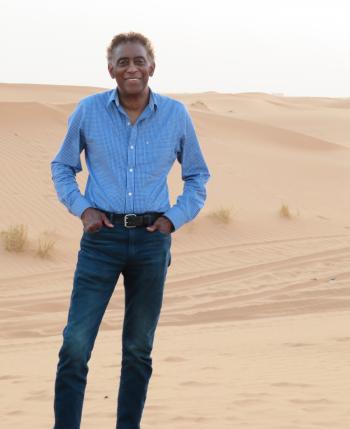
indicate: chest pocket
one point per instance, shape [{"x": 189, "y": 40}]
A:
[{"x": 155, "y": 155}]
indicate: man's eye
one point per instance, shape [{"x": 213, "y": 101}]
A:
[{"x": 140, "y": 62}]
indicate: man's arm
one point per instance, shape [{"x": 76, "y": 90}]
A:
[
  {"x": 195, "y": 174},
  {"x": 67, "y": 163}
]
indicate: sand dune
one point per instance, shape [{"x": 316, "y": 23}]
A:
[{"x": 254, "y": 327}]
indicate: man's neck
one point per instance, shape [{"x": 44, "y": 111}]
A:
[{"x": 134, "y": 103}]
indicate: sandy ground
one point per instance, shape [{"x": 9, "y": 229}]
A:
[{"x": 254, "y": 326}]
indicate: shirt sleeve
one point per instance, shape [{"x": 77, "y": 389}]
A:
[
  {"x": 67, "y": 163},
  {"x": 194, "y": 173}
]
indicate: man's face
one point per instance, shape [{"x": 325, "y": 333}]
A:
[{"x": 131, "y": 68}]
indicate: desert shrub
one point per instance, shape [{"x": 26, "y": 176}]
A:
[
  {"x": 15, "y": 237},
  {"x": 285, "y": 211},
  {"x": 223, "y": 214},
  {"x": 46, "y": 243}
]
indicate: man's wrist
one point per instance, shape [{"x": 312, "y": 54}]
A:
[
  {"x": 81, "y": 215},
  {"x": 172, "y": 225}
]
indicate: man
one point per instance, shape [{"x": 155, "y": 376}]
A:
[{"x": 131, "y": 137}]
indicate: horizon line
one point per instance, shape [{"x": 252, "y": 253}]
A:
[{"x": 273, "y": 93}]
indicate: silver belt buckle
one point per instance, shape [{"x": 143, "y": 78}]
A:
[{"x": 126, "y": 220}]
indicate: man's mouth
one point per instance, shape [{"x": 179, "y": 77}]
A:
[{"x": 133, "y": 79}]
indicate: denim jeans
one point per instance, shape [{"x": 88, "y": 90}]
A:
[{"x": 143, "y": 258}]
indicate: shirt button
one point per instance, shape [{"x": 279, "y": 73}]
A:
[
  {"x": 130, "y": 169},
  {"x": 147, "y": 142},
  {"x": 131, "y": 147},
  {"x": 130, "y": 193},
  {"x": 128, "y": 123}
]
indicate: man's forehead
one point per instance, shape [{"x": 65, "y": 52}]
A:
[{"x": 130, "y": 49}]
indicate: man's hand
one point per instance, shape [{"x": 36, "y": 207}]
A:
[
  {"x": 163, "y": 224},
  {"x": 94, "y": 219}
]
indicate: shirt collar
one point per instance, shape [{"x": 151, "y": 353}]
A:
[{"x": 114, "y": 96}]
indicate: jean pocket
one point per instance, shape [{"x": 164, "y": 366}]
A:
[
  {"x": 166, "y": 234},
  {"x": 103, "y": 227}
]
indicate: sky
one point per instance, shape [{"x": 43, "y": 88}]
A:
[{"x": 290, "y": 47}]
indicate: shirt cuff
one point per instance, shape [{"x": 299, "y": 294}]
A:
[
  {"x": 172, "y": 225},
  {"x": 79, "y": 205},
  {"x": 176, "y": 216}
]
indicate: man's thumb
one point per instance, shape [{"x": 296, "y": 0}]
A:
[
  {"x": 151, "y": 227},
  {"x": 106, "y": 221}
]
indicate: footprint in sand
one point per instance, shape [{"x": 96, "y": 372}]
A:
[
  {"x": 310, "y": 401},
  {"x": 194, "y": 419},
  {"x": 298, "y": 344},
  {"x": 174, "y": 359},
  {"x": 38, "y": 394},
  {"x": 287, "y": 384},
  {"x": 257, "y": 394},
  {"x": 196, "y": 383},
  {"x": 10, "y": 377},
  {"x": 248, "y": 401},
  {"x": 342, "y": 339},
  {"x": 15, "y": 412}
]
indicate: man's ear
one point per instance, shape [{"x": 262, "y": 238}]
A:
[
  {"x": 111, "y": 70},
  {"x": 152, "y": 68}
]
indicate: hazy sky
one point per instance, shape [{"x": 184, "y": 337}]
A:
[{"x": 295, "y": 47}]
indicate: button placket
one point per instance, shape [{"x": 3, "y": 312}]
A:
[{"x": 130, "y": 182}]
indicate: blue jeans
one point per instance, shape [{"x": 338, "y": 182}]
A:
[{"x": 143, "y": 257}]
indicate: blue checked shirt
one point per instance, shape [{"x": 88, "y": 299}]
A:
[{"x": 128, "y": 163}]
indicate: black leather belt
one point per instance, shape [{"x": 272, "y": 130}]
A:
[{"x": 132, "y": 220}]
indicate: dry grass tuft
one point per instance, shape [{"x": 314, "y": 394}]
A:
[
  {"x": 223, "y": 214},
  {"x": 15, "y": 237},
  {"x": 285, "y": 211},
  {"x": 46, "y": 243}
]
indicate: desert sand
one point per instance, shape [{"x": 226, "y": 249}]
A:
[{"x": 254, "y": 330}]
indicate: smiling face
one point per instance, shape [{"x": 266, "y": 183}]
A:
[{"x": 131, "y": 67}]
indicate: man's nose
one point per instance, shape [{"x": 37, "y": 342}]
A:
[{"x": 132, "y": 68}]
